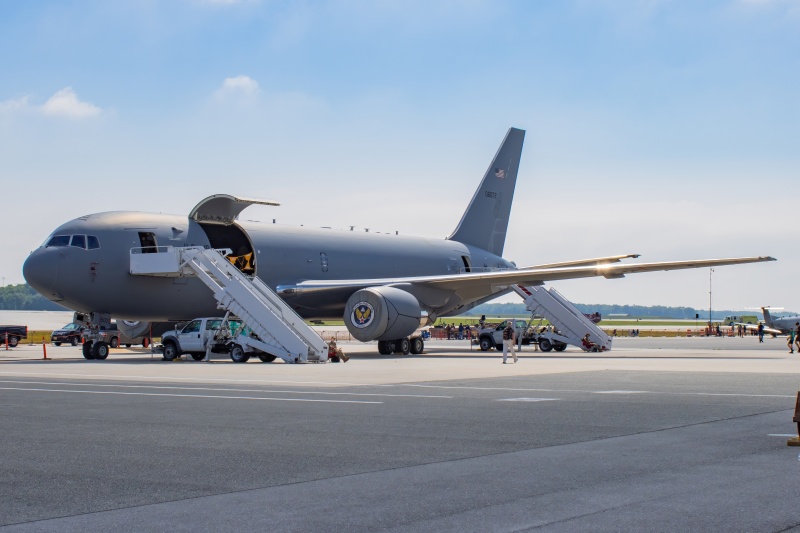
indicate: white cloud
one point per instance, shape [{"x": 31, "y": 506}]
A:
[
  {"x": 65, "y": 103},
  {"x": 10, "y": 106},
  {"x": 239, "y": 84}
]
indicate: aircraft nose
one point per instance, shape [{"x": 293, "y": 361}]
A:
[{"x": 41, "y": 270}]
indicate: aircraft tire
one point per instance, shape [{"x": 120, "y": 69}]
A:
[
  {"x": 238, "y": 354},
  {"x": 390, "y": 347},
  {"x": 485, "y": 344},
  {"x": 198, "y": 356},
  {"x": 57, "y": 343},
  {"x": 73, "y": 341},
  {"x": 560, "y": 347},
  {"x": 87, "y": 350},
  {"x": 383, "y": 348},
  {"x": 170, "y": 351},
  {"x": 266, "y": 357},
  {"x": 100, "y": 350},
  {"x": 417, "y": 345},
  {"x": 114, "y": 342},
  {"x": 402, "y": 346},
  {"x": 545, "y": 345}
]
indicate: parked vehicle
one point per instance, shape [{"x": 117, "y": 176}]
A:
[
  {"x": 492, "y": 337},
  {"x": 72, "y": 333},
  {"x": 15, "y": 334},
  {"x": 225, "y": 337}
]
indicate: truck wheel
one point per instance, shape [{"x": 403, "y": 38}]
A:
[
  {"x": 59, "y": 344},
  {"x": 87, "y": 350},
  {"x": 127, "y": 345},
  {"x": 13, "y": 341},
  {"x": 417, "y": 345},
  {"x": 73, "y": 341},
  {"x": 114, "y": 342},
  {"x": 170, "y": 351},
  {"x": 560, "y": 347},
  {"x": 100, "y": 350},
  {"x": 545, "y": 345},
  {"x": 383, "y": 348},
  {"x": 266, "y": 357},
  {"x": 198, "y": 356},
  {"x": 238, "y": 354},
  {"x": 486, "y": 344}
]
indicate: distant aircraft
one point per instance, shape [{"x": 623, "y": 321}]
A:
[
  {"x": 778, "y": 326},
  {"x": 384, "y": 286}
]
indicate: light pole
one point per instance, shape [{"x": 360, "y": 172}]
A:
[{"x": 710, "y": 271}]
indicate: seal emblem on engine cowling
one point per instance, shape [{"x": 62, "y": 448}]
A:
[{"x": 362, "y": 315}]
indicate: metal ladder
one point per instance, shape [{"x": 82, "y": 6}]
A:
[
  {"x": 279, "y": 328},
  {"x": 560, "y": 312}
]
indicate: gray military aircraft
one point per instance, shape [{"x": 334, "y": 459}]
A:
[
  {"x": 778, "y": 325},
  {"x": 322, "y": 273}
]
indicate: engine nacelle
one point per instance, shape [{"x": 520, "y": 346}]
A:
[{"x": 383, "y": 313}]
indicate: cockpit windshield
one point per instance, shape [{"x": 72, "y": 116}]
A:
[{"x": 84, "y": 242}]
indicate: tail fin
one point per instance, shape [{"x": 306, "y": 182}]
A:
[
  {"x": 485, "y": 221},
  {"x": 767, "y": 317}
]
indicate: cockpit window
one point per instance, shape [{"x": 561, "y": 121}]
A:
[
  {"x": 92, "y": 242},
  {"x": 78, "y": 241},
  {"x": 58, "y": 240}
]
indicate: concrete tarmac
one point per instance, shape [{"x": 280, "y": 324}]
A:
[{"x": 658, "y": 435}]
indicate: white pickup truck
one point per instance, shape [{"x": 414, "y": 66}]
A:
[
  {"x": 492, "y": 337},
  {"x": 194, "y": 338}
]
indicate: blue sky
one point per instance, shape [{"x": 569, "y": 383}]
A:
[{"x": 666, "y": 128}]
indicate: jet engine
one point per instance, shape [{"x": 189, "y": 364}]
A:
[{"x": 383, "y": 313}]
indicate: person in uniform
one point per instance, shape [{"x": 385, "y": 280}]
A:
[
  {"x": 509, "y": 338},
  {"x": 335, "y": 354}
]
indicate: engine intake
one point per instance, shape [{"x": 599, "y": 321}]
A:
[{"x": 383, "y": 313}]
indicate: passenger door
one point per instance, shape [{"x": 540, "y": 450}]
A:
[{"x": 190, "y": 337}]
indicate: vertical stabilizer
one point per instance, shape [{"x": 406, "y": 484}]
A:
[
  {"x": 767, "y": 317},
  {"x": 485, "y": 221}
]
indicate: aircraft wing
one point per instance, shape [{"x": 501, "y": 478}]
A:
[
  {"x": 587, "y": 262},
  {"x": 497, "y": 280},
  {"x": 767, "y": 330}
]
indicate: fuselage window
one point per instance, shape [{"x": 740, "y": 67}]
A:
[
  {"x": 323, "y": 259},
  {"x": 78, "y": 241},
  {"x": 147, "y": 240},
  {"x": 59, "y": 240},
  {"x": 93, "y": 243}
]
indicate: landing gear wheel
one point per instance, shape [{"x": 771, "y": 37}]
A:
[
  {"x": 238, "y": 354},
  {"x": 266, "y": 358},
  {"x": 87, "y": 350},
  {"x": 391, "y": 346},
  {"x": 114, "y": 342},
  {"x": 73, "y": 341},
  {"x": 59, "y": 344},
  {"x": 402, "y": 346},
  {"x": 383, "y": 348},
  {"x": 100, "y": 350},
  {"x": 485, "y": 344},
  {"x": 170, "y": 351},
  {"x": 545, "y": 345},
  {"x": 198, "y": 356},
  {"x": 417, "y": 345},
  {"x": 560, "y": 347}
]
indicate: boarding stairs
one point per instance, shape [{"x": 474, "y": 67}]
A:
[
  {"x": 279, "y": 329},
  {"x": 571, "y": 325}
]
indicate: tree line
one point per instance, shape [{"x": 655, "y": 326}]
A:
[{"x": 22, "y": 297}]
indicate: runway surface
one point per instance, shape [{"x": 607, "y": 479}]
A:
[{"x": 688, "y": 434}]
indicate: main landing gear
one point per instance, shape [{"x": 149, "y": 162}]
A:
[
  {"x": 95, "y": 350},
  {"x": 405, "y": 346}
]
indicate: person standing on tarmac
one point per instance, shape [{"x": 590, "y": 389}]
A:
[
  {"x": 790, "y": 339},
  {"x": 760, "y": 332},
  {"x": 797, "y": 335},
  {"x": 509, "y": 338}
]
